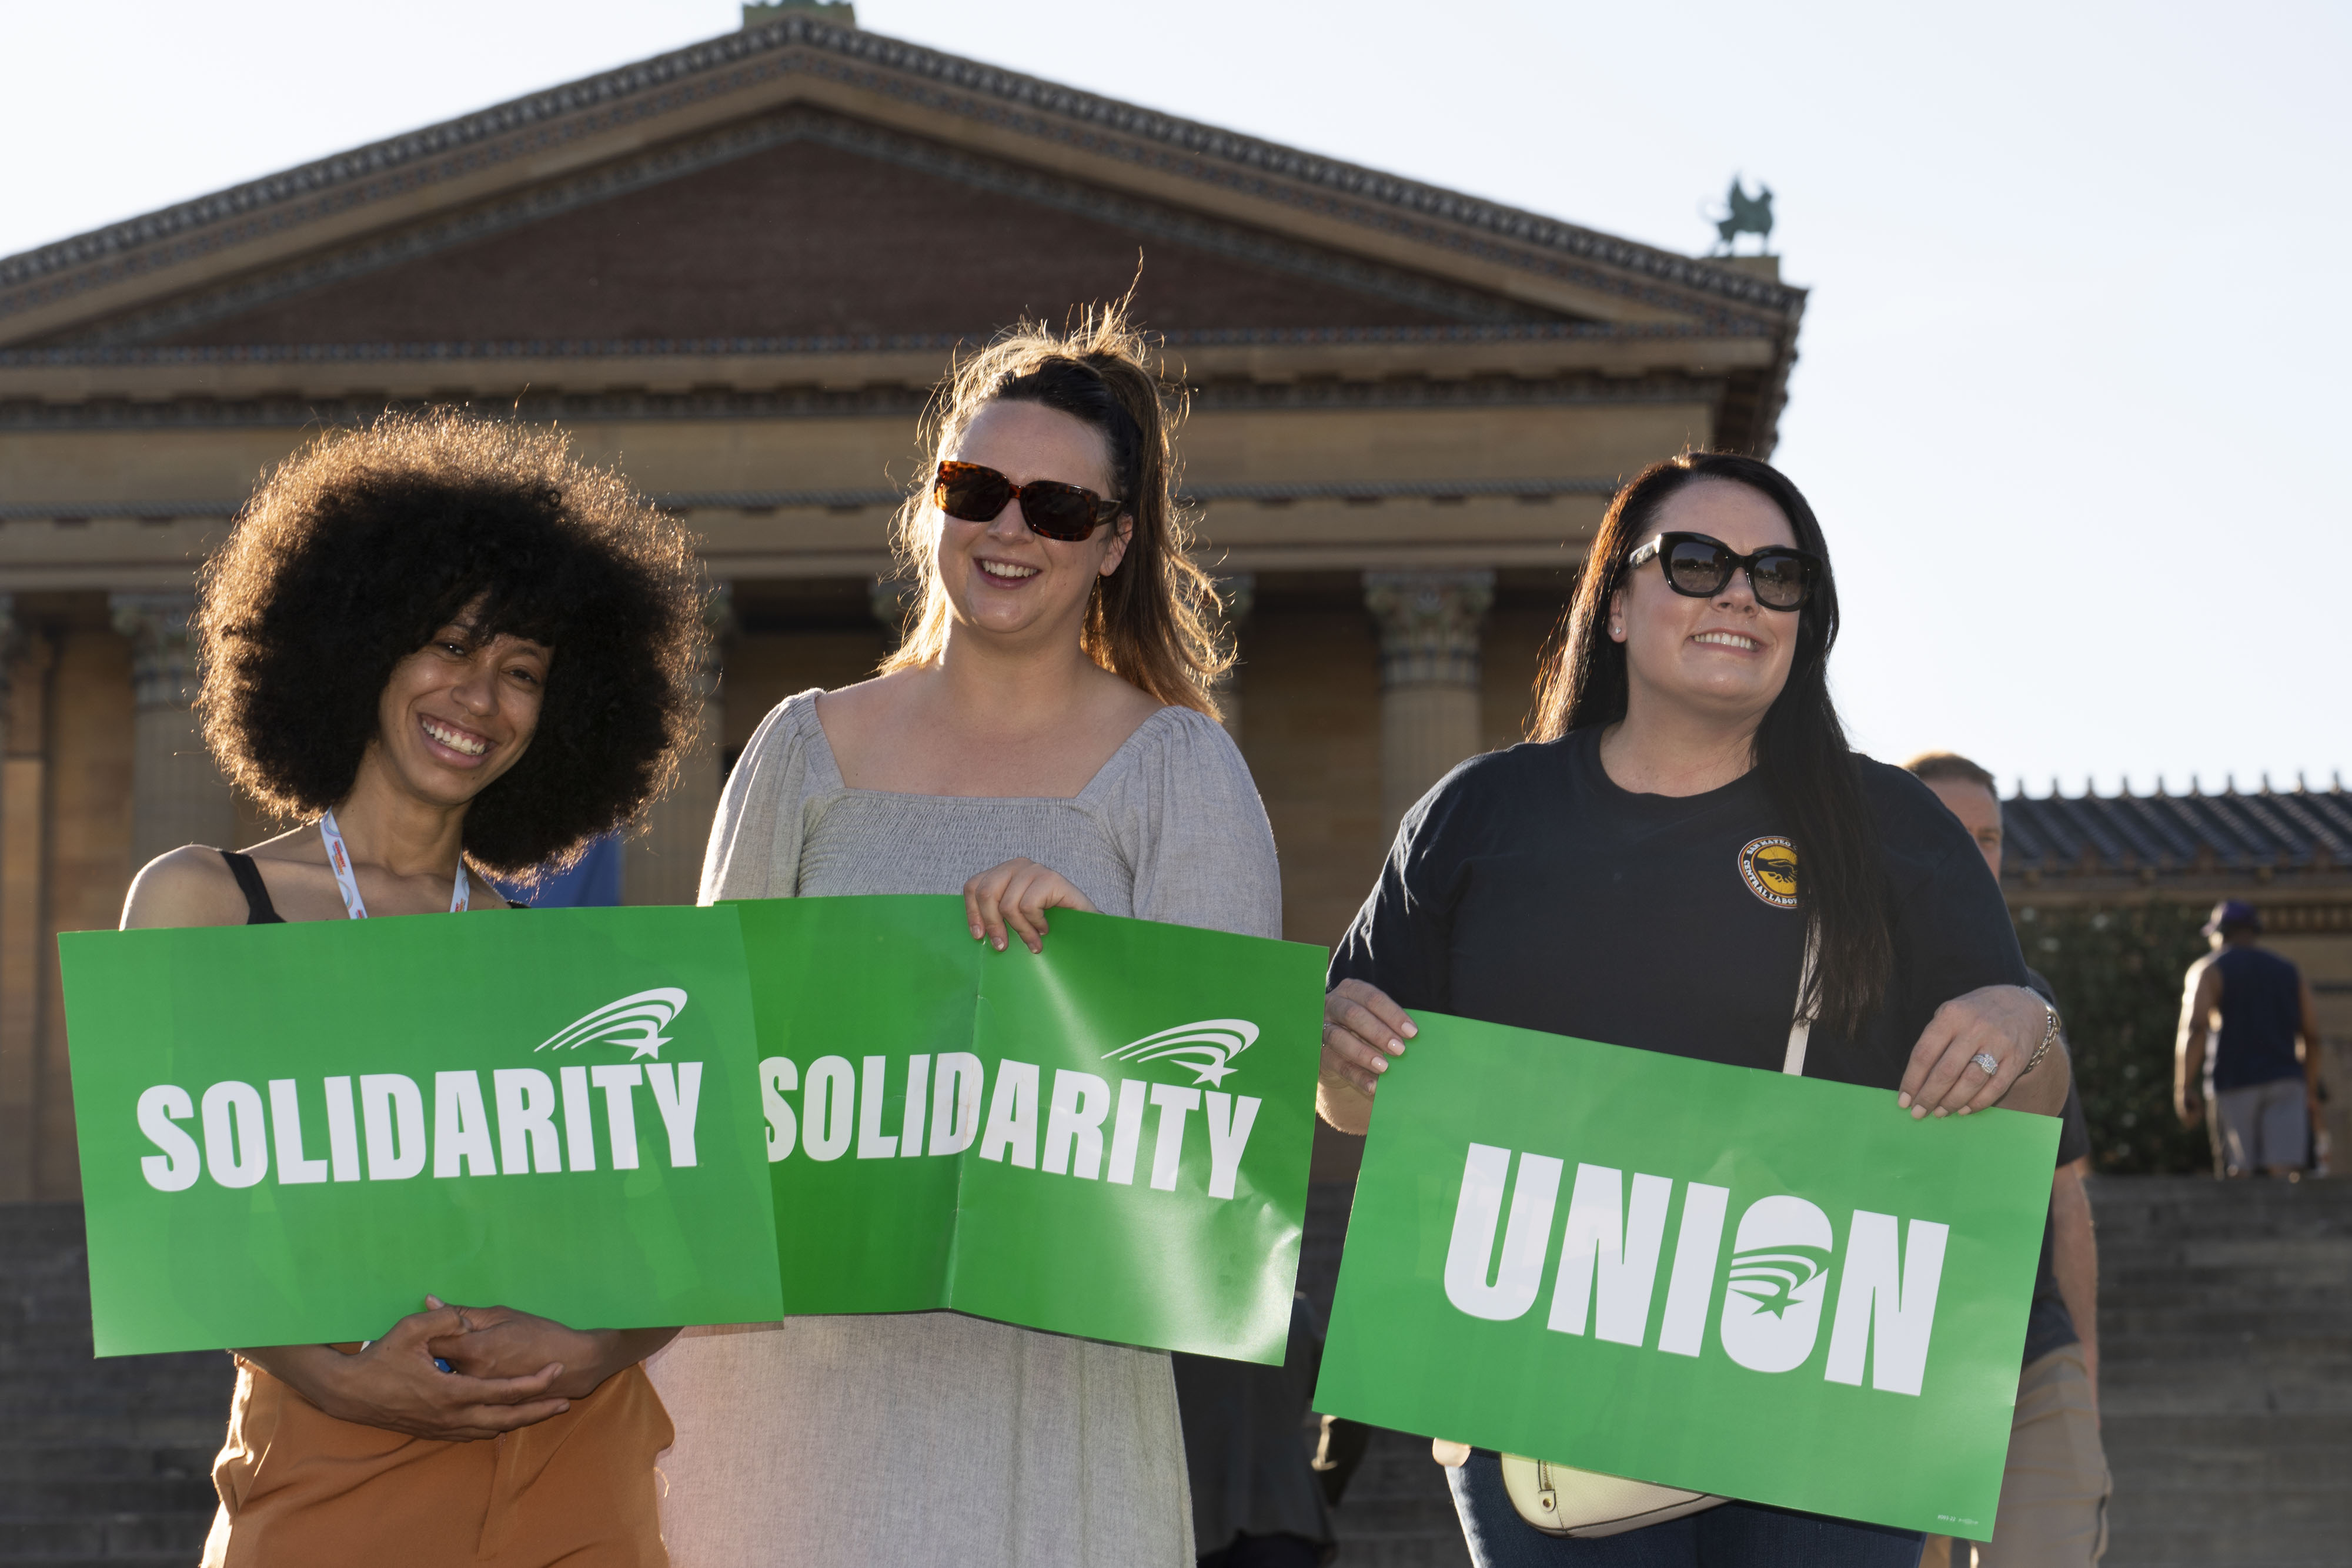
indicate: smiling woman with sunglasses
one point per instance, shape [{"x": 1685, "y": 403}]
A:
[
  {"x": 1043, "y": 739},
  {"x": 1689, "y": 859}
]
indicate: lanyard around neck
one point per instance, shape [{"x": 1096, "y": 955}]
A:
[{"x": 340, "y": 859}]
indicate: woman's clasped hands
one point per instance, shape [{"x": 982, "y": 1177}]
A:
[
  {"x": 458, "y": 1374},
  {"x": 396, "y": 1382}
]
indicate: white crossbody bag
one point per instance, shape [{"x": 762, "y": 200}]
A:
[{"x": 1558, "y": 1501}]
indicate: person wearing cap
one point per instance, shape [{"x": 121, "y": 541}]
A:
[{"x": 2261, "y": 1075}]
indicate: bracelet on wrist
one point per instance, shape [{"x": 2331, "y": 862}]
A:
[{"x": 2049, "y": 1037}]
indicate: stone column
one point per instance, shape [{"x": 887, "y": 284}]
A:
[
  {"x": 663, "y": 862},
  {"x": 1237, "y": 596},
  {"x": 20, "y": 940},
  {"x": 177, "y": 794},
  {"x": 1430, "y": 623}
]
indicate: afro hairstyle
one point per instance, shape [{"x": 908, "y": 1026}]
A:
[{"x": 352, "y": 553}]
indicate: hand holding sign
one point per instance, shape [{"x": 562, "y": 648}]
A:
[
  {"x": 2006, "y": 1023},
  {"x": 1363, "y": 1030},
  {"x": 1017, "y": 895}
]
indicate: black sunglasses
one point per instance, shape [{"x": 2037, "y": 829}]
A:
[
  {"x": 1052, "y": 509},
  {"x": 1700, "y": 568}
]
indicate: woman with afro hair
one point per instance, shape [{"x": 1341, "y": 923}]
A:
[{"x": 449, "y": 647}]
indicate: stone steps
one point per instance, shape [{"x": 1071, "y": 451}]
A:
[
  {"x": 2226, "y": 1332},
  {"x": 2225, "y": 1329},
  {"x": 101, "y": 1462}
]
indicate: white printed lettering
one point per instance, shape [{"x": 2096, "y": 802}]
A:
[
  {"x": 234, "y": 1151},
  {"x": 955, "y": 1102},
  {"x": 1230, "y": 1120},
  {"x": 578, "y": 1120},
  {"x": 1175, "y": 1103},
  {"x": 461, "y": 1127},
  {"x": 393, "y": 1109},
  {"x": 1612, "y": 1252},
  {"x": 778, "y": 1077},
  {"x": 526, "y": 1101},
  {"x": 286, "y": 1127},
  {"x": 871, "y": 1142},
  {"x": 1127, "y": 1131},
  {"x": 342, "y": 1130},
  {"x": 911, "y": 1130},
  {"x": 1526, "y": 1242},
  {"x": 177, "y": 1167},
  {"x": 1691, "y": 1287},
  {"x": 1884, "y": 1308},
  {"x": 1772, "y": 1302},
  {"x": 618, "y": 1082},
  {"x": 677, "y": 1094},
  {"x": 1012, "y": 1115},
  {"x": 828, "y": 1109},
  {"x": 1075, "y": 1120}
]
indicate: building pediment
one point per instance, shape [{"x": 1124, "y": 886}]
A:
[{"x": 799, "y": 192}]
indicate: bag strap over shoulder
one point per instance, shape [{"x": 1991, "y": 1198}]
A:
[{"x": 1800, "y": 1031}]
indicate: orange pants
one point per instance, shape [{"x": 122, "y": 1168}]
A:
[{"x": 299, "y": 1488}]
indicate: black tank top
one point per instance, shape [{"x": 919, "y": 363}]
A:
[{"x": 258, "y": 910}]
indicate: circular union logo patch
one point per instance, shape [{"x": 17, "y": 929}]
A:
[{"x": 1768, "y": 867}]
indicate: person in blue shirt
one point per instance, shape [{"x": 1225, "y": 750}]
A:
[{"x": 2262, "y": 1076}]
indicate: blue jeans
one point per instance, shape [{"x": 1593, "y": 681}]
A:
[{"x": 1735, "y": 1535}]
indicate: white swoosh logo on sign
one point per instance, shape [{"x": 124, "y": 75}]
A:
[
  {"x": 636, "y": 1021},
  {"x": 1207, "y": 1047}
]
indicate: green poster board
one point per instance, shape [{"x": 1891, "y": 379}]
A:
[
  {"x": 1706, "y": 1277},
  {"x": 292, "y": 1132},
  {"x": 1120, "y": 1128}
]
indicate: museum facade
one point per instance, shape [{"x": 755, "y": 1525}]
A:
[{"x": 737, "y": 270}]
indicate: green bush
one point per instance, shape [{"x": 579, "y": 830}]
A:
[{"x": 2117, "y": 973}]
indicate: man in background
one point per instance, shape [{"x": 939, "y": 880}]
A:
[
  {"x": 2053, "y": 1489},
  {"x": 2261, "y": 1080}
]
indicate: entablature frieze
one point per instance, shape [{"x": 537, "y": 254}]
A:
[
  {"x": 1390, "y": 365},
  {"x": 1352, "y": 525},
  {"x": 883, "y": 400}
]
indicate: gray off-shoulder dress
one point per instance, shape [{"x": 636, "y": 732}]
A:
[{"x": 932, "y": 1439}]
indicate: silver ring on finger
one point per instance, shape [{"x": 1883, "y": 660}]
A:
[{"x": 1986, "y": 1059}]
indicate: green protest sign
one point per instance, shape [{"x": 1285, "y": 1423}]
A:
[
  {"x": 1706, "y": 1277},
  {"x": 1109, "y": 1139},
  {"x": 879, "y": 1115},
  {"x": 290, "y": 1134}
]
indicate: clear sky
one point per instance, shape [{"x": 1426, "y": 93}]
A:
[{"x": 2072, "y": 402}]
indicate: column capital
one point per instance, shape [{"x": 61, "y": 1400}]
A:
[
  {"x": 162, "y": 669},
  {"x": 1430, "y": 623}
]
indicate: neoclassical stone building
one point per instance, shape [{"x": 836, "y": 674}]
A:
[{"x": 737, "y": 270}]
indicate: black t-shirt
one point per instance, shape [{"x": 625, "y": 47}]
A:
[
  {"x": 2049, "y": 1325},
  {"x": 1527, "y": 889}
]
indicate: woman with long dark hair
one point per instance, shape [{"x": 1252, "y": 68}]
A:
[
  {"x": 1688, "y": 858},
  {"x": 1044, "y": 739},
  {"x": 447, "y": 647}
]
